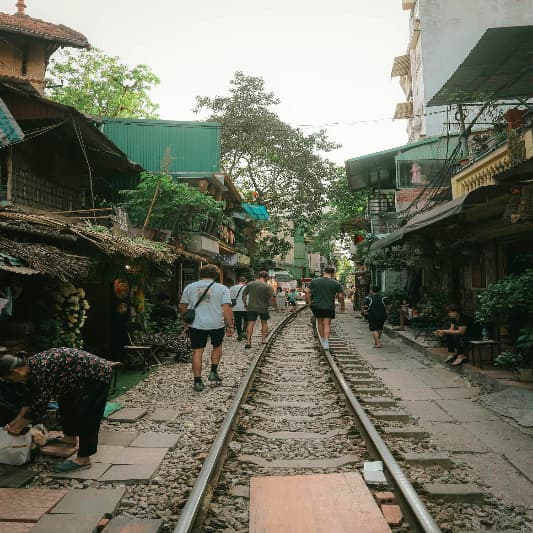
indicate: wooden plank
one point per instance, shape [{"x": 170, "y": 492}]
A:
[{"x": 318, "y": 503}]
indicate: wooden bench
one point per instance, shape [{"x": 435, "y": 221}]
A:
[{"x": 336, "y": 503}]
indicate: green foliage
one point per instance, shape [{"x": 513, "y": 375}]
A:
[
  {"x": 341, "y": 220},
  {"x": 269, "y": 245},
  {"x": 101, "y": 86},
  {"x": 509, "y": 360},
  {"x": 264, "y": 154},
  {"x": 510, "y": 294},
  {"x": 176, "y": 204}
]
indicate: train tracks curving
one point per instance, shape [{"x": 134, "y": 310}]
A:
[{"x": 297, "y": 411}]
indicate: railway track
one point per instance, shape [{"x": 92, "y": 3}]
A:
[{"x": 296, "y": 412}]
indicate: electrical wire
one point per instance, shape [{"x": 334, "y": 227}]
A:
[{"x": 84, "y": 151}]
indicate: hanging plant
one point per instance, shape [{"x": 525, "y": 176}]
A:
[{"x": 67, "y": 315}]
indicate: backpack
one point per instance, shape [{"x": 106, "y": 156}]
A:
[{"x": 376, "y": 307}]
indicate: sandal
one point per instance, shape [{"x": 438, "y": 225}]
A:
[
  {"x": 459, "y": 362},
  {"x": 69, "y": 466},
  {"x": 450, "y": 358}
]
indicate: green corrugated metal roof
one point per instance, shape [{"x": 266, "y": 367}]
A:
[
  {"x": 391, "y": 151},
  {"x": 439, "y": 148},
  {"x": 193, "y": 147}
]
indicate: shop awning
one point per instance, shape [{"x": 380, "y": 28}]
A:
[
  {"x": 497, "y": 68},
  {"x": 401, "y": 66},
  {"x": 437, "y": 214},
  {"x": 25, "y": 271},
  {"x": 256, "y": 212},
  {"x": 441, "y": 212}
]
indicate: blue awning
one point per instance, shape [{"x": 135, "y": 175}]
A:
[
  {"x": 256, "y": 212},
  {"x": 10, "y": 131}
]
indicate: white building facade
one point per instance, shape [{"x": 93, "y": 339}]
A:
[{"x": 442, "y": 33}]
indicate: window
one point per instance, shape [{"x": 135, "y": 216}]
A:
[{"x": 478, "y": 270}]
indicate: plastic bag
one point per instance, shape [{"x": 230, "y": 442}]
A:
[{"x": 14, "y": 449}]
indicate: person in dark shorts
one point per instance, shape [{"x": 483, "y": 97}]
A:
[
  {"x": 212, "y": 313},
  {"x": 239, "y": 311},
  {"x": 257, "y": 296},
  {"x": 376, "y": 314},
  {"x": 320, "y": 295},
  {"x": 457, "y": 335}
]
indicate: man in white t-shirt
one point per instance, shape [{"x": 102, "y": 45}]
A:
[
  {"x": 239, "y": 311},
  {"x": 213, "y": 313}
]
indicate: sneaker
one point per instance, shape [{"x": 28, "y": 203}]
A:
[
  {"x": 239, "y": 338},
  {"x": 198, "y": 386},
  {"x": 247, "y": 346},
  {"x": 325, "y": 344},
  {"x": 213, "y": 376},
  {"x": 69, "y": 466}
]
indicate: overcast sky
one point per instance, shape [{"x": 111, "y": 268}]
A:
[{"x": 328, "y": 62}]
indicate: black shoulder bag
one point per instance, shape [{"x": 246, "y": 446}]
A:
[
  {"x": 190, "y": 314},
  {"x": 234, "y": 300}
]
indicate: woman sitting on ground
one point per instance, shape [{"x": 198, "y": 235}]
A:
[
  {"x": 80, "y": 383},
  {"x": 456, "y": 335}
]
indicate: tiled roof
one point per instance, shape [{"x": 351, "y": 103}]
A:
[{"x": 45, "y": 30}]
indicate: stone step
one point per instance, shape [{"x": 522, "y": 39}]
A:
[
  {"x": 379, "y": 402},
  {"x": 408, "y": 432},
  {"x": 392, "y": 415},
  {"x": 428, "y": 459},
  {"x": 362, "y": 381},
  {"x": 369, "y": 391},
  {"x": 463, "y": 493}
]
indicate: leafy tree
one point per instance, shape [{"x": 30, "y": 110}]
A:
[
  {"x": 342, "y": 218},
  {"x": 172, "y": 205},
  {"x": 262, "y": 153},
  {"x": 101, "y": 86}
]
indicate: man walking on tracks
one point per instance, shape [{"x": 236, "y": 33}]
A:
[
  {"x": 376, "y": 312},
  {"x": 239, "y": 311},
  {"x": 257, "y": 296},
  {"x": 321, "y": 296},
  {"x": 211, "y": 302}
]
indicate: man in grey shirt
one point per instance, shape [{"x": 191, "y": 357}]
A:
[
  {"x": 212, "y": 312},
  {"x": 257, "y": 296}
]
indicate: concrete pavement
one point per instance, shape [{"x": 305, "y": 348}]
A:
[{"x": 446, "y": 405}]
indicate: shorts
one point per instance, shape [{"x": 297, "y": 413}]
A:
[
  {"x": 251, "y": 316},
  {"x": 199, "y": 337},
  {"x": 323, "y": 313},
  {"x": 376, "y": 324}
]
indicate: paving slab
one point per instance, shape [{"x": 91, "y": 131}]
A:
[
  {"x": 501, "y": 437},
  {"x": 15, "y": 527},
  {"x": 27, "y": 505},
  {"x": 521, "y": 460},
  {"x": 15, "y": 476},
  {"x": 107, "y": 454},
  {"x": 90, "y": 501},
  {"x": 164, "y": 415},
  {"x": 375, "y": 478},
  {"x": 466, "y": 410},
  {"x": 438, "y": 378},
  {"x": 427, "y": 411},
  {"x": 392, "y": 514},
  {"x": 156, "y": 440},
  {"x": 122, "y": 524},
  {"x": 66, "y": 523},
  {"x": 141, "y": 456},
  {"x": 418, "y": 393},
  {"x": 130, "y": 474},
  {"x": 117, "y": 438},
  {"x": 463, "y": 493},
  {"x": 456, "y": 393},
  {"x": 240, "y": 491},
  {"x": 502, "y": 477},
  {"x": 455, "y": 437},
  {"x": 300, "y": 463},
  {"x": 96, "y": 470},
  {"x": 128, "y": 414},
  {"x": 512, "y": 402}
]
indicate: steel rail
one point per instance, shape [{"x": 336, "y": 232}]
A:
[
  {"x": 194, "y": 511},
  {"x": 423, "y": 520}
]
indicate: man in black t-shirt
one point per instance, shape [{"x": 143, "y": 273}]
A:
[
  {"x": 457, "y": 335},
  {"x": 376, "y": 314},
  {"x": 321, "y": 296}
]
